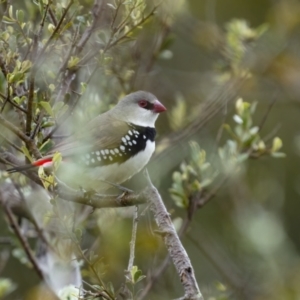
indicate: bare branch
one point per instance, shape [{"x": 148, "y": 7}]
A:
[
  {"x": 97, "y": 200},
  {"x": 176, "y": 251},
  {"x": 14, "y": 129},
  {"x": 88, "y": 32},
  {"x": 22, "y": 240}
]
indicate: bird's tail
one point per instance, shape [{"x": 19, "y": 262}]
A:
[
  {"x": 20, "y": 168},
  {"x": 46, "y": 162}
]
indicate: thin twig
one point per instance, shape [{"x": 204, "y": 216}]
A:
[
  {"x": 264, "y": 119},
  {"x": 14, "y": 129},
  {"x": 68, "y": 113},
  {"x": 75, "y": 242},
  {"x": 11, "y": 143},
  {"x": 133, "y": 239},
  {"x": 22, "y": 240},
  {"x": 17, "y": 106},
  {"x": 52, "y": 16},
  {"x": 111, "y": 44},
  {"x": 97, "y": 8},
  {"x": 54, "y": 33},
  {"x": 38, "y": 125}
]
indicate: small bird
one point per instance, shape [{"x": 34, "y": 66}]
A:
[{"x": 112, "y": 147}]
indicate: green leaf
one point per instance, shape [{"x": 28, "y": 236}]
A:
[
  {"x": 73, "y": 62},
  {"x": 26, "y": 65},
  {"x": 47, "y": 107},
  {"x": 277, "y": 144},
  {"x": 8, "y": 20},
  {"x": 136, "y": 274},
  {"x": 10, "y": 12},
  {"x": 238, "y": 119},
  {"x": 57, "y": 158},
  {"x": 83, "y": 87},
  {"x": 20, "y": 15},
  {"x": 26, "y": 153}
]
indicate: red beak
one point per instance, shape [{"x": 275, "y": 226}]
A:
[{"x": 158, "y": 107}]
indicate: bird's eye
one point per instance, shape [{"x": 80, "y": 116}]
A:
[{"x": 143, "y": 103}]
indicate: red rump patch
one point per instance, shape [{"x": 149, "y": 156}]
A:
[{"x": 42, "y": 161}]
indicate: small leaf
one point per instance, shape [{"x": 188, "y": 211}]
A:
[
  {"x": 57, "y": 158},
  {"x": 51, "y": 87},
  {"x": 111, "y": 5},
  {"x": 73, "y": 62},
  {"x": 238, "y": 119},
  {"x": 10, "y": 12},
  {"x": 47, "y": 107},
  {"x": 26, "y": 153},
  {"x": 83, "y": 87},
  {"x": 239, "y": 106},
  {"x": 20, "y": 15},
  {"x": 7, "y": 20},
  {"x": 137, "y": 275},
  {"x": 254, "y": 130},
  {"x": 26, "y": 65},
  {"x": 261, "y": 145},
  {"x": 277, "y": 144}
]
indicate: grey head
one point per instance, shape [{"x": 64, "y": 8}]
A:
[{"x": 140, "y": 108}]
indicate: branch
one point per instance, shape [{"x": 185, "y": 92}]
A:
[
  {"x": 176, "y": 251},
  {"x": 22, "y": 240},
  {"x": 9, "y": 158},
  {"x": 88, "y": 32},
  {"x": 11, "y": 143},
  {"x": 111, "y": 44},
  {"x": 98, "y": 200},
  {"x": 14, "y": 129},
  {"x": 54, "y": 33}
]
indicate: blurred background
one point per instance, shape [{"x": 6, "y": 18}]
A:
[{"x": 234, "y": 192}]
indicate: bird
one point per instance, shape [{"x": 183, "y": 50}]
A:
[{"x": 112, "y": 147}]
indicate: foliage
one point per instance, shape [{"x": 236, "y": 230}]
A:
[
  {"x": 194, "y": 177},
  {"x": 64, "y": 62}
]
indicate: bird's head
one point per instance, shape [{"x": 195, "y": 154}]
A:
[{"x": 140, "y": 108}]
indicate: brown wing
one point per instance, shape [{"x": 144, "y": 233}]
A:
[{"x": 103, "y": 132}]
